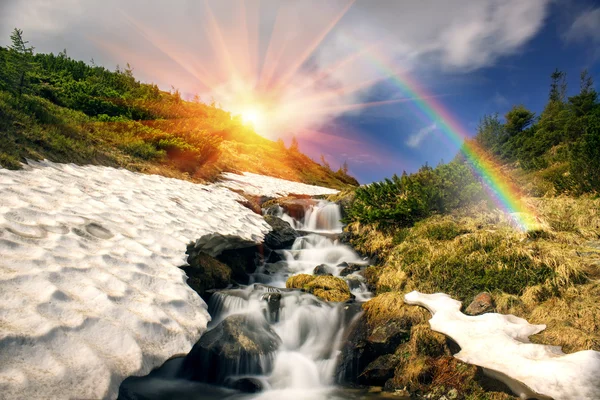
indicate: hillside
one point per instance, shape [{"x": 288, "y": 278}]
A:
[
  {"x": 64, "y": 110},
  {"x": 438, "y": 230}
]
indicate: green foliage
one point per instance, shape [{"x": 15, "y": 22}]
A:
[
  {"x": 560, "y": 147},
  {"x": 402, "y": 201}
]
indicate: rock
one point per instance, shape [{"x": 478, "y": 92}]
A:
[
  {"x": 239, "y": 345},
  {"x": 273, "y": 304},
  {"x": 344, "y": 237},
  {"x": 355, "y": 352},
  {"x": 294, "y": 207},
  {"x": 246, "y": 384},
  {"x": 205, "y": 272},
  {"x": 349, "y": 269},
  {"x": 353, "y": 282},
  {"x": 481, "y": 304},
  {"x": 328, "y": 288},
  {"x": 322, "y": 270},
  {"x": 386, "y": 337},
  {"x": 282, "y": 235},
  {"x": 242, "y": 261},
  {"x": 379, "y": 370}
]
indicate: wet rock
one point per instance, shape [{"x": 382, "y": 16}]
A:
[
  {"x": 322, "y": 270},
  {"x": 205, "y": 272},
  {"x": 349, "y": 269},
  {"x": 355, "y": 353},
  {"x": 273, "y": 304},
  {"x": 239, "y": 345},
  {"x": 481, "y": 304},
  {"x": 380, "y": 370},
  {"x": 282, "y": 235},
  {"x": 386, "y": 337},
  {"x": 246, "y": 385},
  {"x": 243, "y": 261},
  {"x": 353, "y": 282},
  {"x": 296, "y": 208}
]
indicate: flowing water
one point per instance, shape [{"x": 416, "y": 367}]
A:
[{"x": 310, "y": 330}]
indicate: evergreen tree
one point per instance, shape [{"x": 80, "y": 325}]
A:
[
  {"x": 517, "y": 119},
  {"x": 22, "y": 61}
]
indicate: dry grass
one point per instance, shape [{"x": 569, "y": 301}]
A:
[
  {"x": 328, "y": 288},
  {"x": 391, "y": 305}
]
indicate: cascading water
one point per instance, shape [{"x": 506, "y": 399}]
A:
[
  {"x": 310, "y": 330},
  {"x": 322, "y": 217}
]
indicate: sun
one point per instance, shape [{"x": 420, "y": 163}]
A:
[{"x": 251, "y": 117}]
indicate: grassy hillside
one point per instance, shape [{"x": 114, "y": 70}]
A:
[
  {"x": 437, "y": 231},
  {"x": 54, "y": 107}
]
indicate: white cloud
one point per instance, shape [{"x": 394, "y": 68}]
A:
[
  {"x": 416, "y": 139},
  {"x": 585, "y": 26}
]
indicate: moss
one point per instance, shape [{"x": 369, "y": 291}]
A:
[{"x": 328, "y": 288}]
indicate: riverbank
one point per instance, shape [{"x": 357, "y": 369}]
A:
[{"x": 547, "y": 276}]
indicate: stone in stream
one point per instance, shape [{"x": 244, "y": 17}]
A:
[
  {"x": 481, "y": 304},
  {"x": 348, "y": 268},
  {"x": 246, "y": 384},
  {"x": 273, "y": 300},
  {"x": 242, "y": 261},
  {"x": 239, "y": 345},
  {"x": 205, "y": 272},
  {"x": 322, "y": 270},
  {"x": 379, "y": 370},
  {"x": 294, "y": 207},
  {"x": 282, "y": 235}
]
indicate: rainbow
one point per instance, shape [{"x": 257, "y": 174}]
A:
[{"x": 500, "y": 188}]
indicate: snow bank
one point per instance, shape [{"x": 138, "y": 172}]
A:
[
  {"x": 500, "y": 344},
  {"x": 260, "y": 185},
  {"x": 89, "y": 289}
]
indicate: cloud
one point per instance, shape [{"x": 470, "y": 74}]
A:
[
  {"x": 499, "y": 100},
  {"x": 586, "y": 26},
  {"x": 255, "y": 46},
  {"x": 416, "y": 139}
]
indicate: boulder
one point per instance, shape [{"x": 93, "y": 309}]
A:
[
  {"x": 273, "y": 300},
  {"x": 387, "y": 336},
  {"x": 239, "y": 345},
  {"x": 379, "y": 370},
  {"x": 349, "y": 268},
  {"x": 205, "y": 272},
  {"x": 355, "y": 352},
  {"x": 295, "y": 207},
  {"x": 246, "y": 384},
  {"x": 481, "y": 304},
  {"x": 282, "y": 236},
  {"x": 242, "y": 261},
  {"x": 322, "y": 270}
]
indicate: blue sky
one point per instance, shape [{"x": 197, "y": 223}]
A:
[
  {"x": 478, "y": 57},
  {"x": 519, "y": 78}
]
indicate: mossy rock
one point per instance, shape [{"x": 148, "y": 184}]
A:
[
  {"x": 205, "y": 272},
  {"x": 328, "y": 288}
]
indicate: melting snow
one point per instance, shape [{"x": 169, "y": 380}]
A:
[
  {"x": 500, "y": 344},
  {"x": 90, "y": 292},
  {"x": 260, "y": 185}
]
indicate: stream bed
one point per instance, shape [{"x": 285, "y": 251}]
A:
[{"x": 289, "y": 340}]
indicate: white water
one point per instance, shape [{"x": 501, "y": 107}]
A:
[
  {"x": 323, "y": 217},
  {"x": 310, "y": 329}
]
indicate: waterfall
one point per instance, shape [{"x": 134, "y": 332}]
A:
[
  {"x": 322, "y": 217},
  {"x": 310, "y": 330}
]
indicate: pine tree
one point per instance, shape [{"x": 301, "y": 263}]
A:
[{"x": 22, "y": 57}]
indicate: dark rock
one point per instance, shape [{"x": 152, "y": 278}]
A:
[
  {"x": 322, "y": 269},
  {"x": 345, "y": 237},
  {"x": 481, "y": 304},
  {"x": 353, "y": 282},
  {"x": 242, "y": 261},
  {"x": 282, "y": 235},
  {"x": 355, "y": 353},
  {"x": 379, "y": 370},
  {"x": 274, "y": 256},
  {"x": 239, "y": 345},
  {"x": 205, "y": 272},
  {"x": 246, "y": 385},
  {"x": 349, "y": 269},
  {"x": 385, "y": 338},
  {"x": 273, "y": 300}
]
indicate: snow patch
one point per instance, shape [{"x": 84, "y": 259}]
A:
[
  {"x": 90, "y": 292},
  {"x": 500, "y": 345},
  {"x": 260, "y": 185}
]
